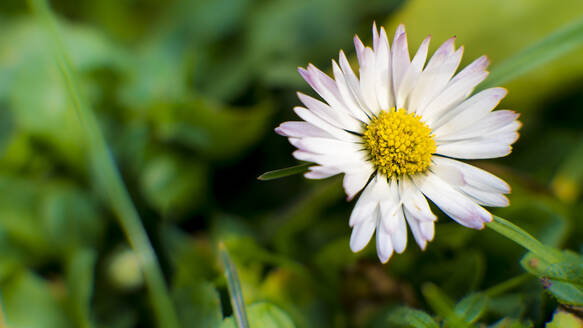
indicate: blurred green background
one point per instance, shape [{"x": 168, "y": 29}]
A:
[{"x": 187, "y": 93}]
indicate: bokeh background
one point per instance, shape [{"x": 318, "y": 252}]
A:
[{"x": 187, "y": 93}]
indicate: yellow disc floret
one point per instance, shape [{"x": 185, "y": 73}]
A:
[{"x": 399, "y": 143}]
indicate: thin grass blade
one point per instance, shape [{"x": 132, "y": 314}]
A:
[
  {"x": 234, "y": 286},
  {"x": 282, "y": 173}
]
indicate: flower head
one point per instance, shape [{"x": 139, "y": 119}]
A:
[{"x": 396, "y": 131}]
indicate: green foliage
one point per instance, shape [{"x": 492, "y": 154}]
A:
[{"x": 179, "y": 100}]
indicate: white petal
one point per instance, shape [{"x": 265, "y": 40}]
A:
[
  {"x": 427, "y": 229},
  {"x": 435, "y": 76},
  {"x": 368, "y": 81},
  {"x": 361, "y": 234},
  {"x": 346, "y": 162},
  {"x": 384, "y": 85},
  {"x": 473, "y": 176},
  {"x": 332, "y": 115},
  {"x": 453, "y": 176},
  {"x": 470, "y": 111},
  {"x": 414, "y": 225},
  {"x": 321, "y": 172},
  {"x": 478, "y": 148},
  {"x": 486, "y": 198},
  {"x": 299, "y": 129},
  {"x": 376, "y": 192},
  {"x": 491, "y": 122},
  {"x": 399, "y": 237},
  {"x": 399, "y": 57},
  {"x": 325, "y": 145},
  {"x": 348, "y": 95},
  {"x": 354, "y": 181},
  {"x": 458, "y": 89},
  {"x": 389, "y": 206},
  {"x": 412, "y": 74},
  {"x": 352, "y": 83},
  {"x": 384, "y": 245},
  {"x": 453, "y": 203},
  {"x": 313, "y": 119},
  {"x": 359, "y": 47},
  {"x": 414, "y": 201}
]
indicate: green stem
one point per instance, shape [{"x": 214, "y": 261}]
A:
[
  {"x": 2, "y": 318},
  {"x": 507, "y": 285},
  {"x": 234, "y": 286},
  {"x": 522, "y": 238},
  {"x": 108, "y": 175}
]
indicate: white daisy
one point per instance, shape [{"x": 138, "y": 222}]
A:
[{"x": 395, "y": 130}]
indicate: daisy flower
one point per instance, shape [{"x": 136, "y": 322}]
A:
[{"x": 396, "y": 131}]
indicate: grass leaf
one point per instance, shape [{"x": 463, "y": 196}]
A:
[{"x": 282, "y": 173}]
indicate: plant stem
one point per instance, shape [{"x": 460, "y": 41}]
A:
[
  {"x": 522, "y": 238},
  {"x": 108, "y": 175},
  {"x": 2, "y": 318}
]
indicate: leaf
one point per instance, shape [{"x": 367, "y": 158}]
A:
[
  {"x": 571, "y": 271},
  {"x": 236, "y": 296},
  {"x": 282, "y": 173},
  {"x": 564, "y": 319},
  {"x": 198, "y": 305},
  {"x": 565, "y": 292},
  {"x": 442, "y": 305},
  {"x": 471, "y": 307},
  {"x": 263, "y": 314},
  {"x": 524, "y": 239},
  {"x": 172, "y": 184},
  {"x": 30, "y": 301},
  {"x": 407, "y": 317},
  {"x": 512, "y": 323}
]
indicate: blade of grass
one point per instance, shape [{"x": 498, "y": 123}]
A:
[
  {"x": 523, "y": 238},
  {"x": 234, "y": 286},
  {"x": 282, "y": 173},
  {"x": 553, "y": 46},
  {"x": 107, "y": 174}
]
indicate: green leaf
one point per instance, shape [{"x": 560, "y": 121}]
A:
[
  {"x": 173, "y": 184},
  {"x": 282, "y": 173},
  {"x": 564, "y": 319},
  {"x": 471, "y": 307},
  {"x": 80, "y": 272},
  {"x": 565, "y": 293},
  {"x": 512, "y": 323},
  {"x": 234, "y": 285},
  {"x": 30, "y": 301},
  {"x": 407, "y": 317},
  {"x": 442, "y": 305},
  {"x": 263, "y": 314},
  {"x": 198, "y": 305},
  {"x": 551, "y": 47},
  {"x": 571, "y": 271},
  {"x": 524, "y": 239}
]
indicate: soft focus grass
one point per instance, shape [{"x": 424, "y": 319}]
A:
[{"x": 186, "y": 94}]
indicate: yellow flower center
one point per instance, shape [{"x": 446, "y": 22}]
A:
[{"x": 399, "y": 143}]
